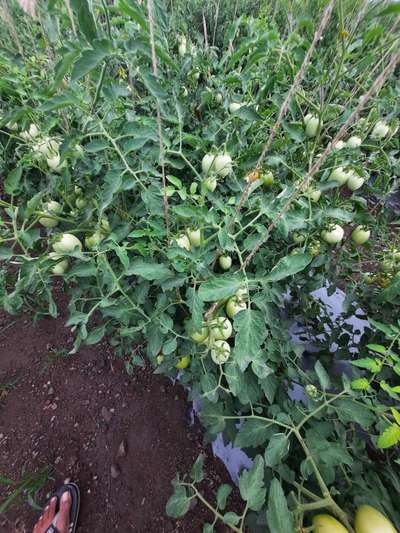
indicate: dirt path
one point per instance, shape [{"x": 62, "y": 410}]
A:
[{"x": 122, "y": 438}]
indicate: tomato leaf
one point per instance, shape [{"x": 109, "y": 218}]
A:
[
  {"x": 279, "y": 517},
  {"x": 323, "y": 376},
  {"x": 12, "y": 180},
  {"x": 219, "y": 287},
  {"x": 179, "y": 503},
  {"x": 251, "y": 333},
  {"x": 277, "y": 449},
  {"x": 253, "y": 433},
  {"x": 389, "y": 437},
  {"x": 251, "y": 485},
  {"x": 288, "y": 266},
  {"x": 222, "y": 495},
  {"x": 374, "y": 365},
  {"x": 148, "y": 270},
  {"x": 197, "y": 473}
]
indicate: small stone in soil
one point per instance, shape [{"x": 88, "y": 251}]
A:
[
  {"x": 122, "y": 449},
  {"x": 105, "y": 413},
  {"x": 115, "y": 471}
]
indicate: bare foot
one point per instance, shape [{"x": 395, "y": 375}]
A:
[{"x": 61, "y": 521}]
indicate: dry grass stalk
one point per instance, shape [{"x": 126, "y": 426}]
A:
[
  {"x": 7, "y": 17},
  {"x": 150, "y": 13},
  {"x": 29, "y": 6},
  {"x": 205, "y": 32},
  {"x": 375, "y": 88}
]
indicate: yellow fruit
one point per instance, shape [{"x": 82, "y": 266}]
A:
[
  {"x": 370, "y": 520},
  {"x": 183, "y": 362},
  {"x": 325, "y": 523}
]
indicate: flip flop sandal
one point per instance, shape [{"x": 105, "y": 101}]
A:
[{"x": 75, "y": 503}]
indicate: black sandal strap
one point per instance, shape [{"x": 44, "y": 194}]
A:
[{"x": 52, "y": 529}]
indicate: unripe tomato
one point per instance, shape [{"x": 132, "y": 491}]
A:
[
  {"x": 242, "y": 294},
  {"x": 225, "y": 262},
  {"x": 33, "y": 131},
  {"x": 208, "y": 163},
  {"x": 80, "y": 203},
  {"x": 210, "y": 183},
  {"x": 333, "y": 235},
  {"x": 314, "y": 248},
  {"x": 325, "y": 523},
  {"x": 354, "y": 181},
  {"x": 267, "y": 178},
  {"x": 218, "y": 98},
  {"x": 220, "y": 352},
  {"x": 360, "y": 235},
  {"x": 67, "y": 243},
  {"x": 51, "y": 208},
  {"x": 94, "y": 240},
  {"x": 223, "y": 165},
  {"x": 353, "y": 142},
  {"x": 54, "y": 162},
  {"x": 339, "y": 175},
  {"x": 314, "y": 194},
  {"x": 235, "y": 106},
  {"x": 370, "y": 520},
  {"x": 234, "y": 306},
  {"x": 160, "y": 359},
  {"x": 200, "y": 336},
  {"x": 220, "y": 328},
  {"x": 312, "y": 123},
  {"x": 381, "y": 129},
  {"x": 195, "y": 237},
  {"x": 183, "y": 242},
  {"x": 312, "y": 391},
  {"x": 183, "y": 362},
  {"x": 60, "y": 268},
  {"x": 298, "y": 238},
  {"x": 340, "y": 145}
]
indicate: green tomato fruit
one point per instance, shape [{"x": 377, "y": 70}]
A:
[
  {"x": 223, "y": 165},
  {"x": 234, "y": 306},
  {"x": 218, "y": 98},
  {"x": 312, "y": 123},
  {"x": 314, "y": 248},
  {"x": 353, "y": 142},
  {"x": 235, "y": 106},
  {"x": 298, "y": 238},
  {"x": 354, "y": 181},
  {"x": 314, "y": 195},
  {"x": 325, "y": 523},
  {"x": 242, "y": 294},
  {"x": 50, "y": 208},
  {"x": 267, "y": 178},
  {"x": 183, "y": 362},
  {"x": 225, "y": 262},
  {"x": 66, "y": 243},
  {"x": 339, "y": 175},
  {"x": 381, "y": 129},
  {"x": 360, "y": 235},
  {"x": 195, "y": 237},
  {"x": 60, "y": 268},
  {"x": 210, "y": 183},
  {"x": 200, "y": 336},
  {"x": 160, "y": 359},
  {"x": 94, "y": 240},
  {"x": 220, "y": 352},
  {"x": 80, "y": 203},
  {"x": 208, "y": 164},
  {"x": 183, "y": 242},
  {"x": 220, "y": 328},
  {"x": 333, "y": 235},
  {"x": 370, "y": 520}
]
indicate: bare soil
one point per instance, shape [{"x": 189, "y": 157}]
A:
[{"x": 121, "y": 438}]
